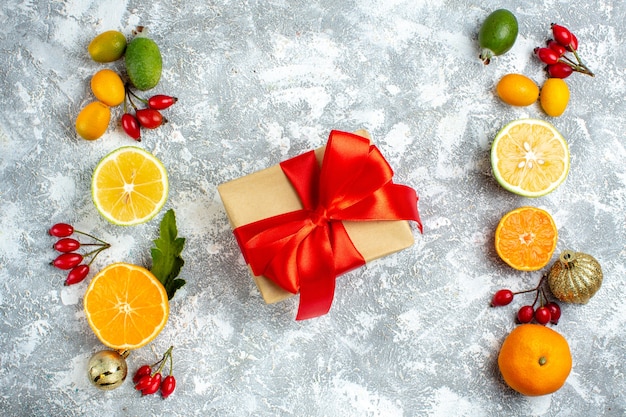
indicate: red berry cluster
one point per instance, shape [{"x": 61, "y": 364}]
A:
[
  {"x": 547, "y": 312},
  {"x": 149, "y": 117},
  {"x": 69, "y": 259},
  {"x": 559, "y": 65},
  {"x": 149, "y": 382}
]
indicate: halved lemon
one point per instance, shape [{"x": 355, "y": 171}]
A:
[
  {"x": 529, "y": 157},
  {"x": 126, "y": 306},
  {"x": 129, "y": 186}
]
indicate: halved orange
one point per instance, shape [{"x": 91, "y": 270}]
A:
[
  {"x": 526, "y": 238},
  {"x": 126, "y": 306},
  {"x": 129, "y": 186},
  {"x": 529, "y": 157}
]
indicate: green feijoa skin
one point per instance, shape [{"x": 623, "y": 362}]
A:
[
  {"x": 497, "y": 34},
  {"x": 143, "y": 63}
]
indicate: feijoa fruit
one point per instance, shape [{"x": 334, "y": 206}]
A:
[
  {"x": 143, "y": 63},
  {"x": 497, "y": 34}
]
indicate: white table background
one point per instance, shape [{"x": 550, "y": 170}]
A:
[{"x": 262, "y": 81}]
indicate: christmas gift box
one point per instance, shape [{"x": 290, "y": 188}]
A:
[{"x": 305, "y": 221}]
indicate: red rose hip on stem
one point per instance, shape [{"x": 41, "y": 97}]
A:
[
  {"x": 547, "y": 55},
  {"x": 155, "y": 383},
  {"x": 131, "y": 126},
  {"x": 141, "y": 372},
  {"x": 542, "y": 315},
  {"x": 561, "y": 34},
  {"x": 573, "y": 44},
  {"x": 61, "y": 230},
  {"x": 555, "y": 312},
  {"x": 559, "y": 70},
  {"x": 77, "y": 274},
  {"x": 67, "y": 260},
  {"x": 525, "y": 314},
  {"x": 66, "y": 244},
  {"x": 168, "y": 386},
  {"x": 502, "y": 298},
  {"x": 150, "y": 118},
  {"x": 161, "y": 101},
  {"x": 143, "y": 382},
  {"x": 557, "y": 47}
]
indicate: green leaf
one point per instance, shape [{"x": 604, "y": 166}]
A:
[{"x": 166, "y": 255}]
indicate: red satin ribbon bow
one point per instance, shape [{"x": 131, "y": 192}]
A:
[{"x": 305, "y": 250}]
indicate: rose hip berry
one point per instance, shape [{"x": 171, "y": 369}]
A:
[
  {"x": 131, "y": 126},
  {"x": 69, "y": 259},
  {"x": 555, "y": 312},
  {"x": 557, "y": 47},
  {"x": 168, "y": 386},
  {"x": 153, "y": 386},
  {"x": 560, "y": 70},
  {"x": 149, "y": 382},
  {"x": 502, "y": 298},
  {"x": 143, "y": 382},
  {"x": 547, "y": 312},
  {"x": 560, "y": 65},
  {"x": 525, "y": 314},
  {"x": 573, "y": 44},
  {"x": 150, "y": 118},
  {"x": 77, "y": 274},
  {"x": 161, "y": 101},
  {"x": 141, "y": 372},
  {"x": 561, "y": 34},
  {"x": 66, "y": 244},
  {"x": 61, "y": 230},
  {"x": 547, "y": 55},
  {"x": 542, "y": 315}
]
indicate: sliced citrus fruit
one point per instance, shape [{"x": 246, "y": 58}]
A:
[
  {"x": 526, "y": 238},
  {"x": 529, "y": 157},
  {"x": 126, "y": 306},
  {"x": 129, "y": 186}
]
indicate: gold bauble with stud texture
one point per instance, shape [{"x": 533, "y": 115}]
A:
[{"x": 575, "y": 277}]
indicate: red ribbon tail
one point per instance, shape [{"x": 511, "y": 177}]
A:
[
  {"x": 315, "y": 298},
  {"x": 316, "y": 269}
]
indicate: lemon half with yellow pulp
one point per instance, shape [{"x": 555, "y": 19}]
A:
[
  {"x": 129, "y": 186},
  {"x": 530, "y": 157}
]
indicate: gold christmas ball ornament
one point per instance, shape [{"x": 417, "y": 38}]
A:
[
  {"x": 575, "y": 277},
  {"x": 107, "y": 369}
]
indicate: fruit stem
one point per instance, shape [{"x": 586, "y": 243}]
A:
[
  {"x": 162, "y": 361},
  {"x": 96, "y": 253},
  {"x": 143, "y": 100},
  {"x": 486, "y": 55},
  {"x": 578, "y": 67},
  {"x": 533, "y": 289},
  {"x": 582, "y": 65},
  {"x": 91, "y": 236},
  {"x": 171, "y": 362},
  {"x": 545, "y": 298},
  {"x": 128, "y": 93}
]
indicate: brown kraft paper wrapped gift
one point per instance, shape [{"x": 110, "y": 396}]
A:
[{"x": 268, "y": 192}]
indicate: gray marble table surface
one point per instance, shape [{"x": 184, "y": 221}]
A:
[{"x": 258, "y": 82}]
